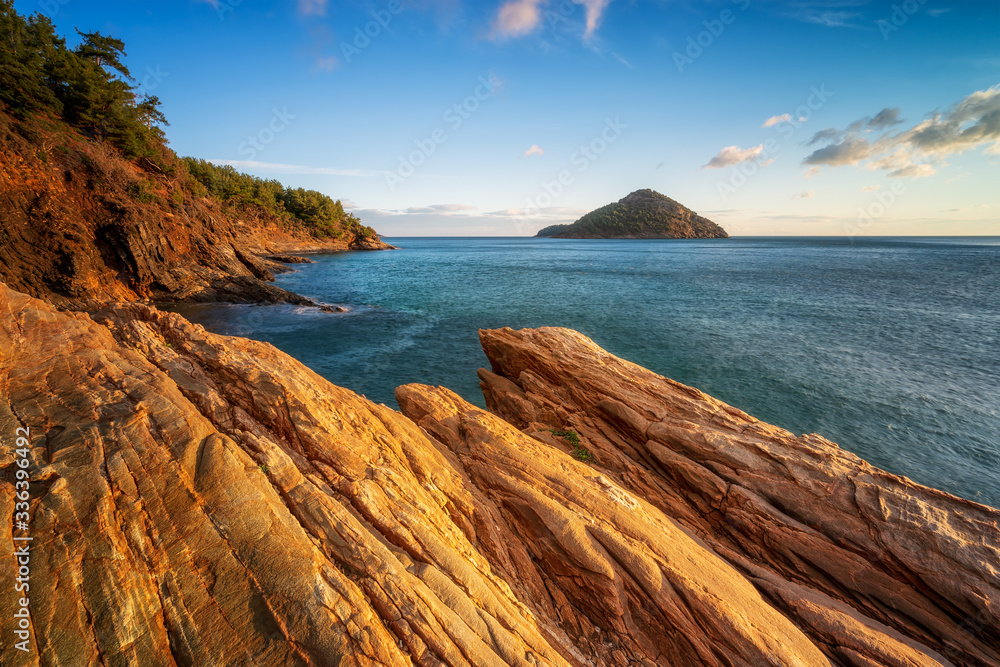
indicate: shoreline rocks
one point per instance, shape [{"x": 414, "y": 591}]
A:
[{"x": 203, "y": 499}]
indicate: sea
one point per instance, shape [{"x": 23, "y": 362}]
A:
[{"x": 890, "y": 347}]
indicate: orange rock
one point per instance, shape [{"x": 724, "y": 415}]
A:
[
  {"x": 873, "y": 567},
  {"x": 205, "y": 500}
]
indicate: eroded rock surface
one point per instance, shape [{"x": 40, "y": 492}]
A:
[
  {"x": 204, "y": 500},
  {"x": 873, "y": 567},
  {"x": 201, "y": 500}
]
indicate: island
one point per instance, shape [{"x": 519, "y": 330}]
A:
[{"x": 643, "y": 214}]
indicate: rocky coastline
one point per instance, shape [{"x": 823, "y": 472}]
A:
[
  {"x": 82, "y": 227},
  {"x": 198, "y": 499}
]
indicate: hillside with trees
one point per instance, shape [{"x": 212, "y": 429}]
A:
[
  {"x": 322, "y": 216},
  {"x": 644, "y": 214},
  {"x": 95, "y": 207}
]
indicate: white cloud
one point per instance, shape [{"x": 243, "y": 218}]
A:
[
  {"x": 912, "y": 153},
  {"x": 833, "y": 19},
  {"x": 885, "y": 118},
  {"x": 830, "y": 13},
  {"x": 809, "y": 194},
  {"x": 558, "y": 213},
  {"x": 850, "y": 150},
  {"x": 870, "y": 188},
  {"x": 517, "y": 18},
  {"x": 442, "y": 209},
  {"x": 812, "y": 172},
  {"x": 293, "y": 168},
  {"x": 621, "y": 59},
  {"x": 445, "y": 210},
  {"x": 774, "y": 120},
  {"x": 595, "y": 12},
  {"x": 731, "y": 155},
  {"x": 913, "y": 171},
  {"x": 534, "y": 150}
]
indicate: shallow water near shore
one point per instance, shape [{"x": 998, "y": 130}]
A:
[{"x": 889, "y": 347}]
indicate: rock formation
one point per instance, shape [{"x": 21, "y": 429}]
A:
[
  {"x": 205, "y": 500},
  {"x": 81, "y": 227},
  {"x": 873, "y": 567}
]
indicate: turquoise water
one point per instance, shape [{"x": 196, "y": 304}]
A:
[{"x": 888, "y": 347}]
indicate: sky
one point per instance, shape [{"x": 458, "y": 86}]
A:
[{"x": 500, "y": 117}]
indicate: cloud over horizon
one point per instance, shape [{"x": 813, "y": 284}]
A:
[
  {"x": 913, "y": 153},
  {"x": 774, "y": 120},
  {"x": 732, "y": 155}
]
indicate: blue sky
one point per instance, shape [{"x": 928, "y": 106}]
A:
[{"x": 498, "y": 118}]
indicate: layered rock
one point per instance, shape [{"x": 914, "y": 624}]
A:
[
  {"x": 201, "y": 500},
  {"x": 205, "y": 500},
  {"x": 873, "y": 567}
]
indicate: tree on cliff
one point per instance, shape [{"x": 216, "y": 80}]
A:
[
  {"x": 89, "y": 86},
  {"x": 322, "y": 215}
]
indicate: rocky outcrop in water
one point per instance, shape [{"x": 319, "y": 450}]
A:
[{"x": 204, "y": 500}]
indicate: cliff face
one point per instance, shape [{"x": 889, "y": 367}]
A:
[
  {"x": 80, "y": 226},
  {"x": 198, "y": 499}
]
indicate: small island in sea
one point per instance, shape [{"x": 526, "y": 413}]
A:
[{"x": 644, "y": 214}]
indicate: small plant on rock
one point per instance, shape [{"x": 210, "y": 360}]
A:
[{"x": 580, "y": 453}]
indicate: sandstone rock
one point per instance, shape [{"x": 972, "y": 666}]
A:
[
  {"x": 873, "y": 567},
  {"x": 289, "y": 259},
  {"x": 201, "y": 500},
  {"x": 205, "y": 500},
  {"x": 625, "y": 582}
]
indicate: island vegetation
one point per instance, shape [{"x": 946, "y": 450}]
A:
[{"x": 642, "y": 214}]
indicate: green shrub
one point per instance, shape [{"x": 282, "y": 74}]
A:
[
  {"x": 141, "y": 191},
  {"x": 323, "y": 216},
  {"x": 580, "y": 453}
]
